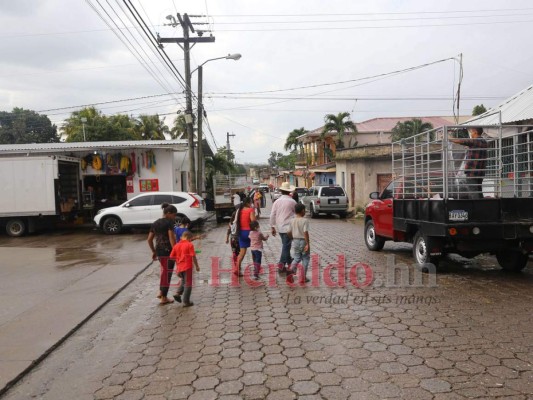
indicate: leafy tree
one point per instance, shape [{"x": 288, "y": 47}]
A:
[
  {"x": 26, "y": 126},
  {"x": 287, "y": 161},
  {"x": 478, "y": 110},
  {"x": 273, "y": 159},
  {"x": 409, "y": 128},
  {"x": 223, "y": 152},
  {"x": 179, "y": 129},
  {"x": 339, "y": 124},
  {"x": 151, "y": 127},
  {"x": 292, "y": 140}
]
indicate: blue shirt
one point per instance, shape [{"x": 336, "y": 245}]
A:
[{"x": 179, "y": 231}]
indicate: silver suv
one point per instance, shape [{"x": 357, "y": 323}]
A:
[{"x": 330, "y": 199}]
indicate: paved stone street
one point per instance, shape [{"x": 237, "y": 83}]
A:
[{"x": 470, "y": 336}]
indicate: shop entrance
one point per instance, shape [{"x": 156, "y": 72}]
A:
[{"x": 109, "y": 190}]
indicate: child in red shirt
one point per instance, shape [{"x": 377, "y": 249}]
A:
[{"x": 185, "y": 256}]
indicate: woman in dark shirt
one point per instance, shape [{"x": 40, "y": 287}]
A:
[{"x": 162, "y": 231}]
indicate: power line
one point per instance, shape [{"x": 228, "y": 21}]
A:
[
  {"x": 350, "y": 80},
  {"x": 125, "y": 41},
  {"x": 337, "y": 28},
  {"x": 425, "y": 18},
  {"x": 351, "y": 98},
  {"x": 372, "y": 13}
]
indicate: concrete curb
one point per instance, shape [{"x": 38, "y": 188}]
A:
[{"x": 36, "y": 362}]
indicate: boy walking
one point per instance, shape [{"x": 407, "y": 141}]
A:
[
  {"x": 300, "y": 248},
  {"x": 184, "y": 254}
]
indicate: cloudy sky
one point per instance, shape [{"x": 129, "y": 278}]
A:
[{"x": 300, "y": 60}]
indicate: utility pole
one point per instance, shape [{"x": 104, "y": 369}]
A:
[
  {"x": 200, "y": 116},
  {"x": 187, "y": 25},
  {"x": 227, "y": 145}
]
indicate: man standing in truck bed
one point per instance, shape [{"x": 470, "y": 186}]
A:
[{"x": 476, "y": 161}]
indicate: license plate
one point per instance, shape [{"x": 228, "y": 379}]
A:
[
  {"x": 333, "y": 201},
  {"x": 458, "y": 215}
]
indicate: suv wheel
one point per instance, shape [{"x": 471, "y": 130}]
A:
[
  {"x": 112, "y": 226},
  {"x": 343, "y": 214},
  {"x": 373, "y": 241},
  {"x": 312, "y": 211}
]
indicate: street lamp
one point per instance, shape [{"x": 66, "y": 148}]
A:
[
  {"x": 83, "y": 121},
  {"x": 200, "y": 150}
]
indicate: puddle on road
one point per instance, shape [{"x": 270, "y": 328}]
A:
[{"x": 75, "y": 257}]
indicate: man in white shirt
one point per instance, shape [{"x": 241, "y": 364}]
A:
[
  {"x": 236, "y": 200},
  {"x": 281, "y": 216}
]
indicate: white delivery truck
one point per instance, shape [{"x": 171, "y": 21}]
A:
[
  {"x": 224, "y": 187},
  {"x": 37, "y": 191}
]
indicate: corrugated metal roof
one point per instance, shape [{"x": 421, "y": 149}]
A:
[
  {"x": 91, "y": 146},
  {"x": 515, "y": 109},
  {"x": 387, "y": 124},
  {"x": 375, "y": 125}
]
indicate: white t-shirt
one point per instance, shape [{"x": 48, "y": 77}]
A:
[
  {"x": 236, "y": 199},
  {"x": 299, "y": 226}
]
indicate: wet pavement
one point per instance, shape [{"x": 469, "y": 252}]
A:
[
  {"x": 51, "y": 282},
  {"x": 466, "y": 335}
]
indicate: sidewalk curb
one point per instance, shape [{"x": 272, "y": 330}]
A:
[{"x": 43, "y": 356}]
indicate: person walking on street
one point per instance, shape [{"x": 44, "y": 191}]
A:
[
  {"x": 256, "y": 245},
  {"x": 476, "y": 161},
  {"x": 281, "y": 216},
  {"x": 236, "y": 200},
  {"x": 184, "y": 254},
  {"x": 257, "y": 202},
  {"x": 162, "y": 231},
  {"x": 300, "y": 249},
  {"x": 245, "y": 215},
  {"x": 233, "y": 239}
]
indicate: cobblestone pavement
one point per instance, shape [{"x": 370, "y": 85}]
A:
[{"x": 470, "y": 336}]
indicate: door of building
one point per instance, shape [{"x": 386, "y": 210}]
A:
[
  {"x": 383, "y": 181},
  {"x": 352, "y": 189}
]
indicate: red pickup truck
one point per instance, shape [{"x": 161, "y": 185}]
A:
[{"x": 445, "y": 216}]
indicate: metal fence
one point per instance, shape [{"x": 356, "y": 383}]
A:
[{"x": 433, "y": 165}]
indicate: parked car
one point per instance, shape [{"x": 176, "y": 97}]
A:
[
  {"x": 264, "y": 187},
  {"x": 144, "y": 209},
  {"x": 302, "y": 192},
  {"x": 275, "y": 194},
  {"x": 330, "y": 199}
]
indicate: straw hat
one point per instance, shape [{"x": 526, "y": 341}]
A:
[{"x": 287, "y": 187}]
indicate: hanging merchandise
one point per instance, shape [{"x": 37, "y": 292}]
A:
[
  {"x": 83, "y": 165},
  {"x": 97, "y": 162},
  {"x": 150, "y": 160},
  {"x": 133, "y": 165},
  {"x": 124, "y": 165}
]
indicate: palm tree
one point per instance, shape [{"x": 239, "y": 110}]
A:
[
  {"x": 339, "y": 124},
  {"x": 73, "y": 128},
  {"x": 151, "y": 127},
  {"x": 292, "y": 140},
  {"x": 179, "y": 130},
  {"x": 409, "y": 128}
]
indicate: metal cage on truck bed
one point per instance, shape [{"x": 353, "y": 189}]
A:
[{"x": 437, "y": 181}]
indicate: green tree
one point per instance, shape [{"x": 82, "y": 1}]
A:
[
  {"x": 223, "y": 152},
  {"x": 26, "y": 126},
  {"x": 292, "y": 142},
  {"x": 179, "y": 128},
  {"x": 151, "y": 127},
  {"x": 478, "y": 110},
  {"x": 341, "y": 125},
  {"x": 409, "y": 128}
]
